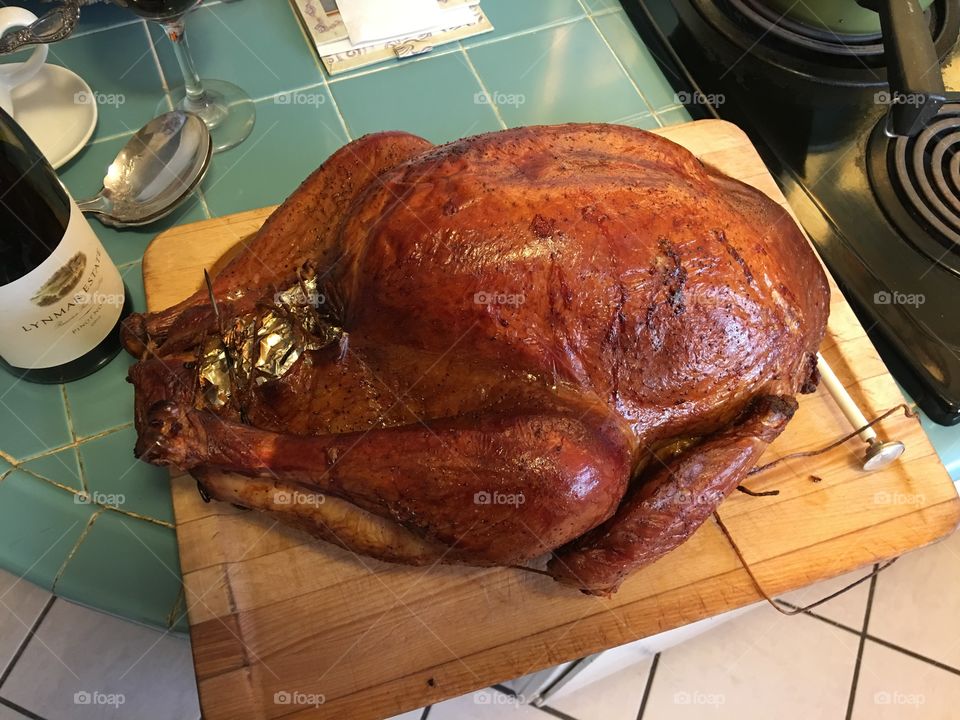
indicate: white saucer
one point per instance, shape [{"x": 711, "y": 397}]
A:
[{"x": 58, "y": 110}]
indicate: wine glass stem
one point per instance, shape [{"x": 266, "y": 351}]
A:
[{"x": 191, "y": 80}]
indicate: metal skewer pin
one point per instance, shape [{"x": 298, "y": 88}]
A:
[{"x": 879, "y": 454}]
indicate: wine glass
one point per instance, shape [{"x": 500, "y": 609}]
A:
[{"x": 226, "y": 109}]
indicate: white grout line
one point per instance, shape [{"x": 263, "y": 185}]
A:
[
  {"x": 650, "y": 107},
  {"x": 291, "y": 91},
  {"x": 380, "y": 67},
  {"x": 108, "y": 138},
  {"x": 490, "y": 98},
  {"x": 605, "y": 11},
  {"x": 68, "y": 413},
  {"x": 484, "y": 42},
  {"x": 73, "y": 444},
  {"x": 338, "y": 111},
  {"x": 93, "y": 31},
  {"x": 76, "y": 546},
  {"x": 202, "y": 198}
]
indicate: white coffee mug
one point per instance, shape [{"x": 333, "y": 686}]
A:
[{"x": 14, "y": 74}]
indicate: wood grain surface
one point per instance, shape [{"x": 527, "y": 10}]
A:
[{"x": 284, "y": 626}]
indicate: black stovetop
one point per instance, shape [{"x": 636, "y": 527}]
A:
[{"x": 811, "y": 114}]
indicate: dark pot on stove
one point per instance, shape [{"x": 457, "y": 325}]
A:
[
  {"x": 913, "y": 69},
  {"x": 843, "y": 17}
]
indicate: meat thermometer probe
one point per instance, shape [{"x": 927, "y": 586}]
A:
[{"x": 879, "y": 455}]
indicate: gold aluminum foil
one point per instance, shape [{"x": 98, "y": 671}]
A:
[
  {"x": 264, "y": 345},
  {"x": 214, "y": 374}
]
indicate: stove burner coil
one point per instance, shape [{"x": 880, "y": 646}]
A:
[{"x": 917, "y": 181}]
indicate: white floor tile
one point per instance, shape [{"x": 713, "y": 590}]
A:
[
  {"x": 760, "y": 665},
  {"x": 530, "y": 685},
  {"x": 849, "y": 608},
  {"x": 94, "y": 665},
  {"x": 20, "y": 604},
  {"x": 614, "y": 696},
  {"x": 484, "y": 705},
  {"x": 8, "y": 714},
  {"x": 411, "y": 715},
  {"x": 915, "y": 603},
  {"x": 893, "y": 686}
]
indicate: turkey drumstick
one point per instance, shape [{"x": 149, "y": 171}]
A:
[
  {"x": 670, "y": 504},
  {"x": 500, "y": 489}
]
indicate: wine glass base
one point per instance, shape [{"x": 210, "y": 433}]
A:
[{"x": 226, "y": 109}]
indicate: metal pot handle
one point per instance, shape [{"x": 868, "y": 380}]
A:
[{"x": 913, "y": 68}]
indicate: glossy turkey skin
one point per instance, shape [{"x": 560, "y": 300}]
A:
[{"x": 528, "y": 313}]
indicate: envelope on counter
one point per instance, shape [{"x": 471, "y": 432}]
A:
[
  {"x": 325, "y": 27},
  {"x": 373, "y": 20}
]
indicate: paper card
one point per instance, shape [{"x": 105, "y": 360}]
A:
[
  {"x": 456, "y": 16},
  {"x": 341, "y": 62},
  {"x": 324, "y": 26},
  {"x": 322, "y": 20},
  {"x": 375, "y": 20}
]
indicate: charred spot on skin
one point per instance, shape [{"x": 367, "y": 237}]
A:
[
  {"x": 162, "y": 412},
  {"x": 812, "y": 379},
  {"x": 332, "y": 455},
  {"x": 735, "y": 254},
  {"x": 648, "y": 321},
  {"x": 618, "y": 320},
  {"x": 675, "y": 276},
  {"x": 592, "y": 214},
  {"x": 542, "y": 227},
  {"x": 450, "y": 208},
  {"x": 774, "y": 409}
]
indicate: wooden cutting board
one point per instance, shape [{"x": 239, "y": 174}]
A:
[{"x": 275, "y": 616}]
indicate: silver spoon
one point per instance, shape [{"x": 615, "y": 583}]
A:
[
  {"x": 156, "y": 170},
  {"x": 50, "y": 27}
]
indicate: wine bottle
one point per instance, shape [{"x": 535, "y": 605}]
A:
[{"x": 62, "y": 298}]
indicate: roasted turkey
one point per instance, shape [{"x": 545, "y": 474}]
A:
[{"x": 570, "y": 341}]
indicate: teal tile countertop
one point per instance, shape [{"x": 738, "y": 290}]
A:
[{"x": 78, "y": 514}]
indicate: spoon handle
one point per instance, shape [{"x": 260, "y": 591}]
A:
[
  {"x": 57, "y": 24},
  {"x": 96, "y": 204},
  {"x": 13, "y": 41}
]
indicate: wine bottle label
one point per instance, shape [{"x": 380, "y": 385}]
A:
[{"x": 65, "y": 306}]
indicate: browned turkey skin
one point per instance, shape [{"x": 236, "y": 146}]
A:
[{"x": 510, "y": 334}]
